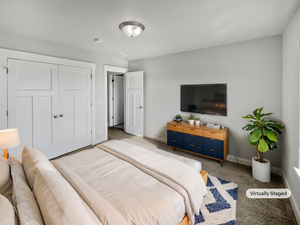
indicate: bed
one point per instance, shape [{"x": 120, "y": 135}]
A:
[{"x": 117, "y": 182}]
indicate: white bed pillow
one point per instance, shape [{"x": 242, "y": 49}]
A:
[
  {"x": 5, "y": 181},
  {"x": 58, "y": 201},
  {"x": 33, "y": 159},
  {"x": 7, "y": 213},
  {"x": 23, "y": 199}
]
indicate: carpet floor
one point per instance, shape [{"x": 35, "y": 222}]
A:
[{"x": 249, "y": 211}]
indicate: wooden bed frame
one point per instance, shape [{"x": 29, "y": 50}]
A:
[{"x": 186, "y": 220}]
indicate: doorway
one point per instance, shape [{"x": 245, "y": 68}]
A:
[{"x": 115, "y": 99}]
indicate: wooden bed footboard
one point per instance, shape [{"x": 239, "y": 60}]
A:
[{"x": 186, "y": 220}]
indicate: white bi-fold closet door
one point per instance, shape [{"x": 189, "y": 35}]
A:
[{"x": 50, "y": 105}]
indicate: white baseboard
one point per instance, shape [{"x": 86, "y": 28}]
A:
[
  {"x": 99, "y": 140},
  {"x": 156, "y": 138},
  {"x": 248, "y": 162},
  {"x": 292, "y": 200}
]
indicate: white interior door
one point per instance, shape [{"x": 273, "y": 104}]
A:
[
  {"x": 118, "y": 99},
  {"x": 75, "y": 105},
  {"x": 134, "y": 106},
  {"x": 32, "y": 105}
]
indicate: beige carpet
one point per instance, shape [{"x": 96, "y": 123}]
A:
[{"x": 249, "y": 211}]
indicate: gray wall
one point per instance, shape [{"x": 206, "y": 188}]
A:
[
  {"x": 290, "y": 109},
  {"x": 251, "y": 69},
  {"x": 45, "y": 48}
]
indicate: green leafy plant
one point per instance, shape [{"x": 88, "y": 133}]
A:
[
  {"x": 177, "y": 116},
  {"x": 197, "y": 118},
  {"x": 191, "y": 117},
  {"x": 263, "y": 133}
]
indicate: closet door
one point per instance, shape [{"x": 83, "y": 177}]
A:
[
  {"x": 74, "y": 108},
  {"x": 33, "y": 105},
  {"x": 118, "y": 99}
]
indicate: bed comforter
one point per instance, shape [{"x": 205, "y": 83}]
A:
[{"x": 114, "y": 196}]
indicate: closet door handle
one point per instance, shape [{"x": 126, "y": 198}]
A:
[
  {"x": 55, "y": 116},
  {"x": 61, "y": 115}
]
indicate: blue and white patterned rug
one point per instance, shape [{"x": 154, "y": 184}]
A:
[{"x": 219, "y": 204}]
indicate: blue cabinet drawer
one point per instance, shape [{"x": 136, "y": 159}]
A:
[
  {"x": 213, "y": 143},
  {"x": 174, "y": 135},
  {"x": 192, "y": 139},
  {"x": 213, "y": 153},
  {"x": 175, "y": 143},
  {"x": 193, "y": 148}
]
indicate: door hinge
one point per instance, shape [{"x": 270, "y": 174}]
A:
[
  {"x": 91, "y": 132},
  {"x": 91, "y": 104},
  {"x": 112, "y": 98},
  {"x": 112, "y": 117},
  {"x": 6, "y": 68},
  {"x": 112, "y": 80},
  {"x": 6, "y": 112},
  {"x": 91, "y": 76}
]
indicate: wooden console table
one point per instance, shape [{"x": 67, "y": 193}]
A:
[{"x": 199, "y": 139}]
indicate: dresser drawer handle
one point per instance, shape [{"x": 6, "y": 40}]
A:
[
  {"x": 174, "y": 126},
  {"x": 212, "y": 139},
  {"x": 212, "y": 149},
  {"x": 192, "y": 129},
  {"x": 192, "y": 145},
  {"x": 212, "y": 132},
  {"x": 174, "y": 140}
]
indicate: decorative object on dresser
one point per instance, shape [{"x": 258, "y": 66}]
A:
[
  {"x": 264, "y": 136},
  {"x": 191, "y": 119},
  {"x": 9, "y": 138},
  {"x": 197, "y": 121},
  {"x": 199, "y": 139},
  {"x": 178, "y": 118}
]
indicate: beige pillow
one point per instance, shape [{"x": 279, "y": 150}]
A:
[
  {"x": 7, "y": 213},
  {"x": 58, "y": 201},
  {"x": 23, "y": 199},
  {"x": 5, "y": 181},
  {"x": 33, "y": 159}
]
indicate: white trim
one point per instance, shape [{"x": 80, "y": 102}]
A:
[
  {"x": 156, "y": 138},
  {"x": 248, "y": 162},
  {"x": 111, "y": 69},
  {"x": 6, "y": 54},
  {"x": 292, "y": 200}
]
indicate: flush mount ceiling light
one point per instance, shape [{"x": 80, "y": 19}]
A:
[{"x": 131, "y": 28}]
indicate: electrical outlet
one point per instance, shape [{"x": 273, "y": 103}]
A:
[{"x": 99, "y": 130}]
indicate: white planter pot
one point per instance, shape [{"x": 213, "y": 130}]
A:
[
  {"x": 197, "y": 122},
  {"x": 261, "y": 171},
  {"x": 191, "y": 121}
]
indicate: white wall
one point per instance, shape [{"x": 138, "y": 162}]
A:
[
  {"x": 290, "y": 109},
  {"x": 45, "y": 48},
  {"x": 251, "y": 69}
]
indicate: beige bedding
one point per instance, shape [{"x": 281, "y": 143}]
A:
[{"x": 136, "y": 193}]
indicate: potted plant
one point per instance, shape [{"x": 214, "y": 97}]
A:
[
  {"x": 197, "y": 120},
  {"x": 178, "y": 118},
  {"x": 263, "y": 135},
  {"x": 191, "y": 119}
]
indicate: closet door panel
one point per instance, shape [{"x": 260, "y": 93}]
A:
[
  {"x": 32, "y": 105},
  {"x": 74, "y": 107}
]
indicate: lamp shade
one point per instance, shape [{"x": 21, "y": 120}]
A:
[{"x": 9, "y": 138}]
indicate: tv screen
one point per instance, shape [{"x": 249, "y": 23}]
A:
[{"x": 204, "y": 98}]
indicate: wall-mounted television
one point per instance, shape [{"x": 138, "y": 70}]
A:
[{"x": 204, "y": 98}]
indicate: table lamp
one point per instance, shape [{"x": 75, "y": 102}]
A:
[{"x": 9, "y": 138}]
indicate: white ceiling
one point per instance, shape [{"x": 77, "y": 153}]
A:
[{"x": 171, "y": 25}]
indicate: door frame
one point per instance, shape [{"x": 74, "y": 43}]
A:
[
  {"x": 108, "y": 68},
  {"x": 6, "y": 54}
]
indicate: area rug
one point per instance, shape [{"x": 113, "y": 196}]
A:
[{"x": 219, "y": 204}]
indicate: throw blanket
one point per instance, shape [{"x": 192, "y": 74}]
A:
[{"x": 171, "y": 172}]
